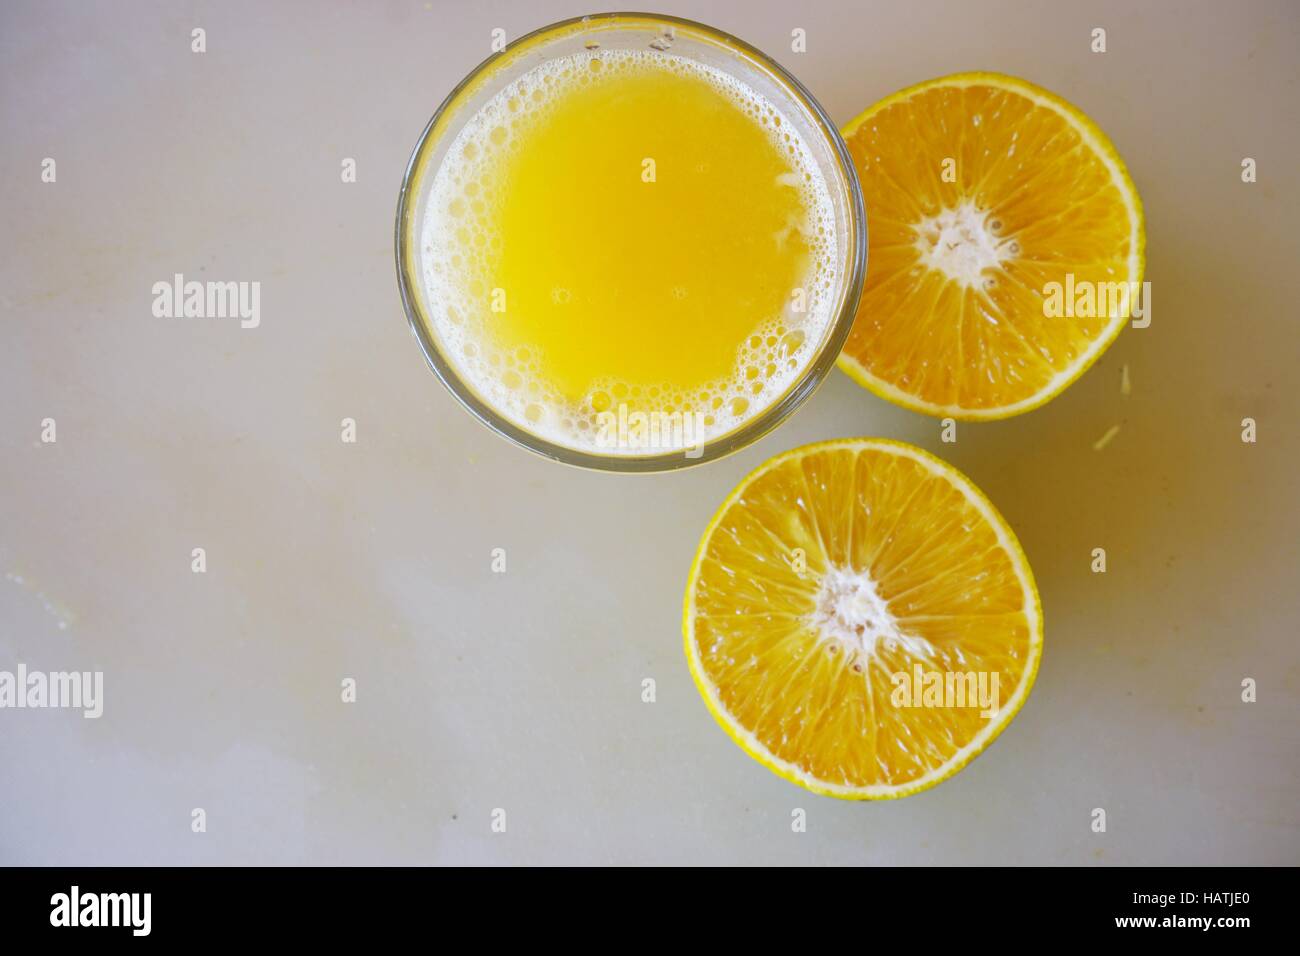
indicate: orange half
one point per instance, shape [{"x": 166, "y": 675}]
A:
[
  {"x": 834, "y": 575},
  {"x": 994, "y": 207}
]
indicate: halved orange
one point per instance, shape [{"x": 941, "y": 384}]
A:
[
  {"x": 833, "y": 576},
  {"x": 983, "y": 191}
]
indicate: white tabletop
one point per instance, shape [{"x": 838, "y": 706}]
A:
[{"x": 522, "y": 691}]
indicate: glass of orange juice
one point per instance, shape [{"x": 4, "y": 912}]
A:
[{"x": 631, "y": 242}]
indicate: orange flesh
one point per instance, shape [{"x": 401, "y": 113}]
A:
[
  {"x": 1024, "y": 168},
  {"x": 825, "y": 707}
]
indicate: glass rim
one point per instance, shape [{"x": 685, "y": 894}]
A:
[{"x": 738, "y": 438}]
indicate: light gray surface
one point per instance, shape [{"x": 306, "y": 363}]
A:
[{"x": 522, "y": 691}]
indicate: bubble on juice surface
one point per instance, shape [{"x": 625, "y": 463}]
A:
[{"x": 459, "y": 234}]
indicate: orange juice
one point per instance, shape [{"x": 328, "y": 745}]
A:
[{"x": 628, "y": 237}]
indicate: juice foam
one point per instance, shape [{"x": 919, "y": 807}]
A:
[{"x": 565, "y": 287}]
